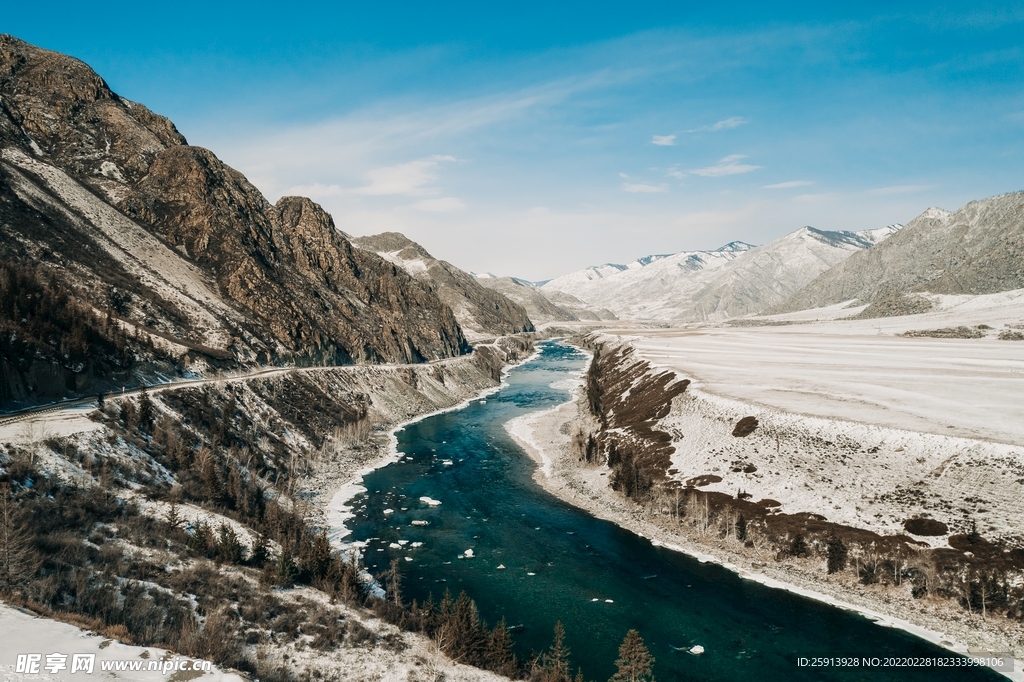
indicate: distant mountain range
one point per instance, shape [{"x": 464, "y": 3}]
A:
[
  {"x": 979, "y": 249},
  {"x": 737, "y": 279},
  {"x": 544, "y": 305}
]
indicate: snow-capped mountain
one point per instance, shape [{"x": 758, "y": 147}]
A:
[
  {"x": 979, "y": 249},
  {"x": 737, "y": 279}
]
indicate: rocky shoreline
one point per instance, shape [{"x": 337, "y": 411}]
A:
[{"x": 547, "y": 437}]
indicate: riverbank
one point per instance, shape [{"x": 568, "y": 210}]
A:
[
  {"x": 337, "y": 483},
  {"x": 547, "y": 437}
]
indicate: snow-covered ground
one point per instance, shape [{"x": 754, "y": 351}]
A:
[
  {"x": 23, "y": 634},
  {"x": 861, "y": 370}
]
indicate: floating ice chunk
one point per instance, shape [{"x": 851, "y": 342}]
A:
[
  {"x": 501, "y": 567},
  {"x": 595, "y": 599},
  {"x": 609, "y": 601},
  {"x": 394, "y": 545},
  {"x": 420, "y": 522},
  {"x": 403, "y": 542},
  {"x": 697, "y": 650},
  {"x": 408, "y": 558},
  {"x": 531, "y": 574},
  {"x": 469, "y": 553},
  {"x": 431, "y": 501},
  {"x": 388, "y": 511},
  {"x": 416, "y": 544},
  {"x": 447, "y": 462}
]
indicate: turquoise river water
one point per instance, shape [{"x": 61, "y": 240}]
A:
[{"x": 598, "y": 579}]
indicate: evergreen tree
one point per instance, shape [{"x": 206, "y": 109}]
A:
[
  {"x": 147, "y": 413},
  {"x": 466, "y": 636},
  {"x": 498, "y": 656},
  {"x": 555, "y": 661},
  {"x": 741, "y": 528},
  {"x": 837, "y": 553},
  {"x": 428, "y": 616},
  {"x": 799, "y": 546},
  {"x": 260, "y": 551},
  {"x": 316, "y": 556},
  {"x": 634, "y": 662},
  {"x": 394, "y": 577},
  {"x": 229, "y": 549},
  {"x": 201, "y": 540},
  {"x": 287, "y": 571}
]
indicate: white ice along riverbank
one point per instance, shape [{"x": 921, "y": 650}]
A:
[{"x": 339, "y": 509}]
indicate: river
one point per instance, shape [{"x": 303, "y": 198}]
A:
[{"x": 598, "y": 579}]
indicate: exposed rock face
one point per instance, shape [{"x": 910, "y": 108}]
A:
[
  {"x": 480, "y": 311},
  {"x": 976, "y": 250},
  {"x": 544, "y": 305},
  {"x": 112, "y": 203}
]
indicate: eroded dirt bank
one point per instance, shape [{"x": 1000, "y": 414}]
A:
[{"x": 776, "y": 496}]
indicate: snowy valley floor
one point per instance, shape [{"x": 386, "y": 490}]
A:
[{"x": 829, "y": 397}]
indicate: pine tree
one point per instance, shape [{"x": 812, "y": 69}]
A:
[
  {"x": 498, "y": 656},
  {"x": 229, "y": 549},
  {"x": 741, "y": 528},
  {"x": 287, "y": 571},
  {"x": 147, "y": 413},
  {"x": 799, "y": 547},
  {"x": 837, "y": 553},
  {"x": 260, "y": 551},
  {"x": 201, "y": 539},
  {"x": 634, "y": 662},
  {"x": 395, "y": 583},
  {"x": 463, "y": 624},
  {"x": 555, "y": 661}
]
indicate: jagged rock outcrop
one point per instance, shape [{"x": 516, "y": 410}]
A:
[
  {"x": 979, "y": 249},
  {"x": 480, "y": 311},
  {"x": 103, "y": 198}
]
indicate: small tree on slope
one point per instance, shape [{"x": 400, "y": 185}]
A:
[{"x": 635, "y": 661}]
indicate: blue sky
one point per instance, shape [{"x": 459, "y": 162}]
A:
[{"x": 533, "y": 138}]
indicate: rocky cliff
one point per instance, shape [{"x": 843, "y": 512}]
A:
[
  {"x": 480, "y": 311},
  {"x": 104, "y": 203}
]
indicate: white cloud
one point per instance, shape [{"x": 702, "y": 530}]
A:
[
  {"x": 644, "y": 188},
  {"x": 897, "y": 189},
  {"x": 412, "y": 178},
  {"x": 664, "y": 140},
  {"x": 441, "y": 205},
  {"x": 676, "y": 173},
  {"x": 727, "y": 166},
  {"x": 789, "y": 184},
  {"x": 724, "y": 124}
]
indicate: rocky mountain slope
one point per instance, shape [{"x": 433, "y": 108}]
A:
[
  {"x": 480, "y": 311},
  {"x": 115, "y": 222},
  {"x": 979, "y": 249},
  {"x": 735, "y": 280},
  {"x": 545, "y": 305}
]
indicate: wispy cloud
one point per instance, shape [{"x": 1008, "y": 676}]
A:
[
  {"x": 664, "y": 140},
  {"x": 441, "y": 205},
  {"x": 413, "y": 178},
  {"x": 724, "y": 124},
  {"x": 730, "y": 165},
  {"x": 644, "y": 188},
  {"x": 789, "y": 184},
  {"x": 897, "y": 189}
]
